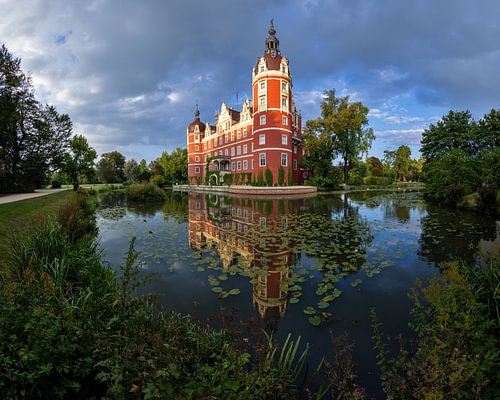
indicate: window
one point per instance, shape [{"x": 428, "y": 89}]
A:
[
  {"x": 215, "y": 143},
  {"x": 262, "y": 85},
  {"x": 294, "y": 149},
  {"x": 226, "y": 152},
  {"x": 284, "y": 101},
  {"x": 196, "y": 137},
  {"x": 232, "y": 151},
  {"x": 262, "y": 101},
  {"x": 238, "y": 150},
  {"x": 284, "y": 139},
  {"x": 196, "y": 148},
  {"x": 239, "y": 165},
  {"x": 262, "y": 159},
  {"x": 197, "y": 159},
  {"x": 220, "y": 141},
  {"x": 252, "y": 163},
  {"x": 284, "y": 120},
  {"x": 284, "y": 86},
  {"x": 196, "y": 170},
  {"x": 220, "y": 152},
  {"x": 227, "y": 138},
  {"x": 238, "y": 135},
  {"x": 196, "y": 128},
  {"x": 245, "y": 149},
  {"x": 295, "y": 164},
  {"x": 232, "y": 136},
  {"x": 284, "y": 158},
  {"x": 245, "y": 165},
  {"x": 262, "y": 119},
  {"x": 232, "y": 166},
  {"x": 261, "y": 68},
  {"x": 245, "y": 131},
  {"x": 262, "y": 139}
]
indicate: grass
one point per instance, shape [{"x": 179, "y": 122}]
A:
[{"x": 15, "y": 215}]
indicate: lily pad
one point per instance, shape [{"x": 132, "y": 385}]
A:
[
  {"x": 234, "y": 292},
  {"x": 314, "y": 321},
  {"x": 309, "y": 310}
]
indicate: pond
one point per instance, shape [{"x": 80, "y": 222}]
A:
[{"x": 312, "y": 267}]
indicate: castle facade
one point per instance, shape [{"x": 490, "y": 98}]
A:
[{"x": 259, "y": 144}]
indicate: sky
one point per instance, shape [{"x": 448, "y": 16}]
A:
[{"x": 129, "y": 73}]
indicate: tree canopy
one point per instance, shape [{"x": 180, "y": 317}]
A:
[
  {"x": 111, "y": 167},
  {"x": 346, "y": 123},
  {"x": 33, "y": 137},
  {"x": 79, "y": 161}
]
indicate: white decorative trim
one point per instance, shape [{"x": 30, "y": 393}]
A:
[
  {"x": 273, "y": 128},
  {"x": 273, "y": 148}
]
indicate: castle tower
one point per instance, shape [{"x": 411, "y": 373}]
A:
[
  {"x": 195, "y": 135},
  {"x": 276, "y": 124}
]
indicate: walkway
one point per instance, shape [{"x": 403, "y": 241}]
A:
[{"x": 10, "y": 198}]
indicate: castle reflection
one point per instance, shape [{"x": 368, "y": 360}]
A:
[{"x": 250, "y": 233}]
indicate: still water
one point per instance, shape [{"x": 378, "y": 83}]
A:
[{"x": 312, "y": 267}]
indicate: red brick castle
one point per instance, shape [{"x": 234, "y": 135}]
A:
[{"x": 261, "y": 143}]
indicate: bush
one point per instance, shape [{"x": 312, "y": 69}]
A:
[
  {"x": 269, "y": 177},
  {"x": 456, "y": 327},
  {"x": 355, "y": 180},
  {"x": 453, "y": 194},
  {"x": 488, "y": 198},
  {"x": 260, "y": 179},
  {"x": 157, "y": 180},
  {"x": 281, "y": 176},
  {"x": 227, "y": 179},
  {"x": 145, "y": 192},
  {"x": 323, "y": 183},
  {"x": 56, "y": 184},
  {"x": 376, "y": 181}
]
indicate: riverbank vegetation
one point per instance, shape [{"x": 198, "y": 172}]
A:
[
  {"x": 456, "y": 320},
  {"x": 70, "y": 329},
  {"x": 462, "y": 161},
  {"x": 144, "y": 192}
]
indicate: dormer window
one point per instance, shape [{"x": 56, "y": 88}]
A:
[
  {"x": 196, "y": 128},
  {"x": 261, "y": 68}
]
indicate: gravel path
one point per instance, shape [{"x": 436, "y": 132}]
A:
[{"x": 10, "y": 198}]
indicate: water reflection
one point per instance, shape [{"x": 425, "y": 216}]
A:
[{"x": 265, "y": 240}]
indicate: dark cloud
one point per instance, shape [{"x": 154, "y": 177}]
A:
[{"x": 129, "y": 73}]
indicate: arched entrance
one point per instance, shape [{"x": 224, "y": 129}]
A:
[{"x": 213, "y": 180}]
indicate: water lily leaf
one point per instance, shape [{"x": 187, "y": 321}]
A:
[
  {"x": 323, "y": 304},
  {"x": 234, "y": 292},
  {"x": 294, "y": 300},
  {"x": 314, "y": 321},
  {"x": 217, "y": 289},
  {"x": 309, "y": 310}
]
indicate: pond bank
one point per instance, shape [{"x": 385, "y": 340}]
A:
[{"x": 250, "y": 190}]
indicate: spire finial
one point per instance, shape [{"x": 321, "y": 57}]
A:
[
  {"x": 272, "y": 42},
  {"x": 197, "y": 112}
]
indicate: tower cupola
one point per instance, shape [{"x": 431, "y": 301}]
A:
[{"x": 272, "y": 42}]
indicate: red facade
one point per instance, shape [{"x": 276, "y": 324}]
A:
[{"x": 265, "y": 135}]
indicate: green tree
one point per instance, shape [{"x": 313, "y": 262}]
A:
[
  {"x": 79, "y": 161},
  {"x": 111, "y": 167},
  {"x": 131, "y": 170},
  {"x": 375, "y": 166},
  {"x": 318, "y": 146},
  {"x": 347, "y": 124},
  {"x": 144, "y": 172},
  {"x": 33, "y": 138}
]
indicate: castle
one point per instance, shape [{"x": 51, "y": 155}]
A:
[{"x": 260, "y": 144}]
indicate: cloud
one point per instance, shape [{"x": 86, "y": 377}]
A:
[
  {"x": 129, "y": 74},
  {"x": 399, "y": 137}
]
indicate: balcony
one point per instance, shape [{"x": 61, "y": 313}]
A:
[{"x": 220, "y": 163}]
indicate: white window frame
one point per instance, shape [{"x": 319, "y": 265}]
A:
[
  {"x": 232, "y": 136},
  {"x": 196, "y": 170},
  {"x": 196, "y": 148},
  {"x": 233, "y": 166},
  {"x": 295, "y": 165},
  {"x": 245, "y": 165},
  {"x": 245, "y": 149},
  {"x": 263, "y": 120},
  {"x": 262, "y": 156},
  {"x": 284, "y": 120},
  {"x": 284, "y": 139},
  {"x": 238, "y": 165},
  {"x": 284, "y": 102},
  {"x": 238, "y": 150},
  {"x": 232, "y": 152},
  {"x": 197, "y": 158},
  {"x": 252, "y": 163},
  {"x": 286, "y": 159},
  {"x": 245, "y": 132},
  {"x": 262, "y": 139}
]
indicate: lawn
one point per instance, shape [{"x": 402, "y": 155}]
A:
[{"x": 13, "y": 215}]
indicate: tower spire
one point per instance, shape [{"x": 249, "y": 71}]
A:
[
  {"x": 272, "y": 42},
  {"x": 197, "y": 112}
]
